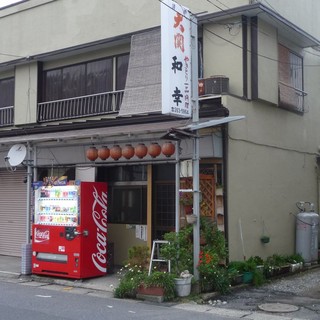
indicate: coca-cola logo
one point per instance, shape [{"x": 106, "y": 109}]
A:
[
  {"x": 41, "y": 235},
  {"x": 99, "y": 215}
]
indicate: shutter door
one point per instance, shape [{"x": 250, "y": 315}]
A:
[{"x": 13, "y": 200}]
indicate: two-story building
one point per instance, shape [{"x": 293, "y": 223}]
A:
[{"x": 76, "y": 75}]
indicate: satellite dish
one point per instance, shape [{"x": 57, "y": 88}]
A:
[{"x": 17, "y": 154}]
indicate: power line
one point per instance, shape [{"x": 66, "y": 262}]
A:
[{"x": 312, "y": 53}]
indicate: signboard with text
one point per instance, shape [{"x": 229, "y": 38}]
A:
[{"x": 175, "y": 59}]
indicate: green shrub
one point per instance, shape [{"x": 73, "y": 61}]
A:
[
  {"x": 131, "y": 278},
  {"x": 179, "y": 250},
  {"x": 140, "y": 256}
]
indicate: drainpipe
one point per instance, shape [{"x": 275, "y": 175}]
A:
[
  {"x": 224, "y": 130},
  {"x": 177, "y": 185}
]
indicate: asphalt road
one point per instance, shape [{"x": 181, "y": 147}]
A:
[
  {"x": 23, "y": 298},
  {"x": 27, "y": 302}
]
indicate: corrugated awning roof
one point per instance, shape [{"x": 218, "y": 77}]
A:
[{"x": 157, "y": 129}]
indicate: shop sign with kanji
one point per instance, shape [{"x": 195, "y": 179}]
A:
[{"x": 175, "y": 59}]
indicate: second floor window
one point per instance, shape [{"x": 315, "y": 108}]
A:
[
  {"x": 6, "y": 92},
  {"x": 291, "y": 94},
  {"x": 86, "y": 78}
]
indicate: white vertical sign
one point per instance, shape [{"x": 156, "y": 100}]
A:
[{"x": 175, "y": 59}]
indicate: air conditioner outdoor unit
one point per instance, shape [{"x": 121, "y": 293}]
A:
[{"x": 213, "y": 85}]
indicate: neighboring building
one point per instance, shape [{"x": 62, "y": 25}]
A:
[{"x": 69, "y": 69}]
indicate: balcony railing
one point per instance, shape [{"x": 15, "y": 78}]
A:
[
  {"x": 291, "y": 98},
  {"x": 6, "y": 116},
  {"x": 84, "y": 106}
]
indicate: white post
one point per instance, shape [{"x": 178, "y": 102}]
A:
[{"x": 195, "y": 160}]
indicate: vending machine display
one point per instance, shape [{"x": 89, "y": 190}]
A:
[{"x": 69, "y": 236}]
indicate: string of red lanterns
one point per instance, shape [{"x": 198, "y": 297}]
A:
[{"x": 128, "y": 151}]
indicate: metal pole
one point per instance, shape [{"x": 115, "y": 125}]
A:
[
  {"x": 195, "y": 160},
  {"x": 26, "y": 248},
  {"x": 29, "y": 176}
]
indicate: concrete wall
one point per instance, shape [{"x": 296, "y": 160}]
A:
[
  {"x": 221, "y": 57},
  {"x": 271, "y": 166},
  {"x": 43, "y": 26},
  {"x": 124, "y": 237}
]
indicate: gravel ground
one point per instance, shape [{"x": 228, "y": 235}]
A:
[
  {"x": 301, "y": 289},
  {"x": 300, "y": 283}
]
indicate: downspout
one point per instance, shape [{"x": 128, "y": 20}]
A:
[
  {"x": 224, "y": 130},
  {"x": 177, "y": 204}
]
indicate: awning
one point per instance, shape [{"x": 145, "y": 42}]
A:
[
  {"x": 154, "y": 129},
  {"x": 212, "y": 123}
]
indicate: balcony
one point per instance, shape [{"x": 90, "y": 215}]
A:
[
  {"x": 78, "y": 107},
  {"x": 6, "y": 116}
]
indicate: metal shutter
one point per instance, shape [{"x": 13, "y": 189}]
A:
[{"x": 13, "y": 200}]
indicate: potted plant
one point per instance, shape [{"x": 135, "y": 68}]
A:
[
  {"x": 276, "y": 265},
  {"x": 295, "y": 261},
  {"x": 186, "y": 201},
  {"x": 157, "y": 284},
  {"x": 265, "y": 239},
  {"x": 179, "y": 250}
]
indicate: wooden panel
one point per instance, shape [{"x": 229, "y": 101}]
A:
[{"x": 207, "y": 189}]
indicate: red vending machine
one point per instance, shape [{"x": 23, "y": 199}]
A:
[{"x": 70, "y": 230}]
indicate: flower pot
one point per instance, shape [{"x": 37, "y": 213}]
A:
[
  {"x": 191, "y": 218},
  {"x": 247, "y": 277},
  {"x": 183, "y": 286},
  {"x": 152, "y": 291},
  {"x": 265, "y": 239},
  {"x": 188, "y": 209},
  {"x": 296, "y": 267}
]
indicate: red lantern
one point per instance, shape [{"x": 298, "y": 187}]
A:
[
  {"x": 92, "y": 153},
  {"x": 103, "y": 153},
  {"x": 168, "y": 149},
  {"x": 116, "y": 152},
  {"x": 154, "y": 149},
  {"x": 128, "y": 151},
  {"x": 141, "y": 150}
]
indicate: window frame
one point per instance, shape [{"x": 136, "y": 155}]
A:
[
  {"x": 59, "y": 84},
  {"x": 9, "y": 101},
  {"x": 291, "y": 80}
]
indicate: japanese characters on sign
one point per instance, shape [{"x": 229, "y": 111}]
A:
[{"x": 175, "y": 59}]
